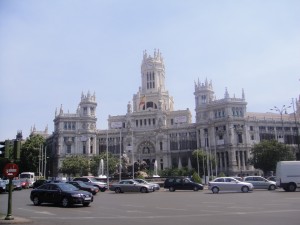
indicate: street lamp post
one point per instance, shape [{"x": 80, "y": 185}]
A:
[
  {"x": 281, "y": 110},
  {"x": 120, "y": 158}
]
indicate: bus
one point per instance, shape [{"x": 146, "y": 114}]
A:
[{"x": 29, "y": 176}]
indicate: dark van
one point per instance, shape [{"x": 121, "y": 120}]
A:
[{"x": 181, "y": 183}]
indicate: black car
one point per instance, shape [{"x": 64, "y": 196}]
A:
[
  {"x": 82, "y": 186},
  {"x": 181, "y": 183},
  {"x": 38, "y": 183},
  {"x": 60, "y": 193}
]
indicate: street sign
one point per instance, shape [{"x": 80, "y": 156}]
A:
[{"x": 11, "y": 170}]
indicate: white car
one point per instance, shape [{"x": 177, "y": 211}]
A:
[{"x": 229, "y": 184}]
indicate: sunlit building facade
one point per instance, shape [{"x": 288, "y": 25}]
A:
[{"x": 152, "y": 131}]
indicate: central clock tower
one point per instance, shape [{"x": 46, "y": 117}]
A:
[{"x": 152, "y": 93}]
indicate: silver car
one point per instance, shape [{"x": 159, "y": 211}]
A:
[
  {"x": 229, "y": 184},
  {"x": 260, "y": 182},
  {"x": 155, "y": 185},
  {"x": 130, "y": 186}
]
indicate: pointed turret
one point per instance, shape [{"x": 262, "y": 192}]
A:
[{"x": 226, "y": 95}]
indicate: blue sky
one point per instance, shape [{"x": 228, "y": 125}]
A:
[{"x": 52, "y": 51}]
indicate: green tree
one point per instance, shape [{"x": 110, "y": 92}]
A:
[
  {"x": 176, "y": 172},
  {"x": 266, "y": 154},
  {"x": 30, "y": 151},
  {"x": 75, "y": 165},
  {"x": 196, "y": 178}
]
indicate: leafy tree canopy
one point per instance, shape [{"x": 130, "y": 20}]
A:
[
  {"x": 266, "y": 154},
  {"x": 30, "y": 150},
  {"x": 75, "y": 165}
]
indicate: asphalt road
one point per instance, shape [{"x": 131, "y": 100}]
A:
[{"x": 261, "y": 207}]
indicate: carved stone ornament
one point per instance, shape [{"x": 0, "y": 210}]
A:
[
  {"x": 68, "y": 141},
  {"x": 239, "y": 129}
]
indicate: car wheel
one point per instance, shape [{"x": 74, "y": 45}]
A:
[
  {"x": 86, "y": 204},
  {"x": 143, "y": 190},
  {"x": 272, "y": 187},
  {"x": 291, "y": 187},
  {"x": 171, "y": 189},
  {"x": 196, "y": 189},
  {"x": 118, "y": 190},
  {"x": 65, "y": 202},
  {"x": 102, "y": 189},
  {"x": 36, "y": 200},
  {"x": 245, "y": 189},
  {"x": 215, "y": 190}
]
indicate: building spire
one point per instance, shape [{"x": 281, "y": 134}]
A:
[{"x": 226, "y": 93}]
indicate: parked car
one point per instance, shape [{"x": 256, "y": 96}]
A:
[
  {"x": 181, "y": 183},
  {"x": 3, "y": 187},
  {"x": 82, "y": 186},
  {"x": 260, "y": 182},
  {"x": 130, "y": 186},
  {"x": 229, "y": 184},
  {"x": 155, "y": 185},
  {"x": 272, "y": 178},
  {"x": 38, "y": 183},
  {"x": 92, "y": 181},
  {"x": 60, "y": 193},
  {"x": 17, "y": 184},
  {"x": 6, "y": 183},
  {"x": 25, "y": 183}
]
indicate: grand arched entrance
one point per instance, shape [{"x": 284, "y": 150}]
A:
[{"x": 146, "y": 152}]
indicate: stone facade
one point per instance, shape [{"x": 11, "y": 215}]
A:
[{"x": 152, "y": 131}]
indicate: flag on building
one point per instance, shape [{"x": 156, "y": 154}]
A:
[{"x": 142, "y": 101}]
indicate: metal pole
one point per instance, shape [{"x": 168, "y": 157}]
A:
[
  {"x": 9, "y": 205},
  {"x": 107, "y": 168},
  {"x": 297, "y": 139},
  {"x": 132, "y": 155},
  {"x": 42, "y": 160},
  {"x": 45, "y": 162},
  {"x": 120, "y": 166},
  {"x": 207, "y": 159},
  {"x": 39, "y": 161},
  {"x": 198, "y": 163}
]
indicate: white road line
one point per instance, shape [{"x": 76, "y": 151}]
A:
[
  {"x": 171, "y": 209},
  {"x": 165, "y": 216},
  {"x": 40, "y": 212}
]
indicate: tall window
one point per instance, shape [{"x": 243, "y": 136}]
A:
[
  {"x": 150, "y": 80},
  {"x": 68, "y": 149}
]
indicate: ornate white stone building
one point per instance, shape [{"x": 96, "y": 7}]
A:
[{"x": 151, "y": 130}]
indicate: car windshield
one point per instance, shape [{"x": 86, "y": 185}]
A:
[
  {"x": 141, "y": 181},
  {"x": 82, "y": 184},
  {"x": 67, "y": 187},
  {"x": 93, "y": 179}
]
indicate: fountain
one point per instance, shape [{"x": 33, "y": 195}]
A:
[
  {"x": 155, "y": 169},
  {"x": 101, "y": 169}
]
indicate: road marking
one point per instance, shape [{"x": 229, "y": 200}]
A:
[
  {"x": 136, "y": 206},
  {"x": 171, "y": 209},
  {"x": 165, "y": 216},
  {"x": 40, "y": 212}
]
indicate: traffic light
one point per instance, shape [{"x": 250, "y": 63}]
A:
[
  {"x": 17, "y": 147},
  {"x": 5, "y": 152}
]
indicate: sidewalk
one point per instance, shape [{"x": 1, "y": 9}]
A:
[{"x": 16, "y": 220}]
